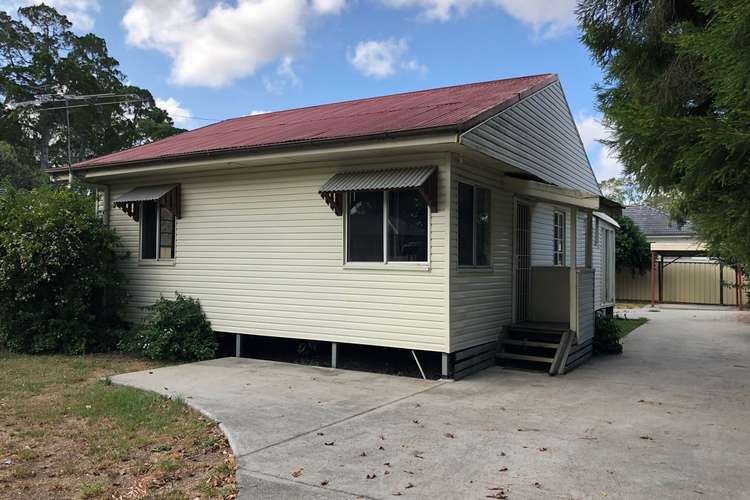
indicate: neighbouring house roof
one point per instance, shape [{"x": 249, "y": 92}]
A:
[
  {"x": 654, "y": 222},
  {"x": 456, "y": 108}
]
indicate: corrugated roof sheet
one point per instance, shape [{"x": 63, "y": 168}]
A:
[
  {"x": 145, "y": 193},
  {"x": 376, "y": 180},
  {"x": 654, "y": 222},
  {"x": 449, "y": 107}
]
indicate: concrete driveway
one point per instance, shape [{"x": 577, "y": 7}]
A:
[{"x": 670, "y": 418}]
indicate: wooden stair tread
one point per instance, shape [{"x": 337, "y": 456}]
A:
[
  {"x": 531, "y": 343},
  {"x": 524, "y": 357}
]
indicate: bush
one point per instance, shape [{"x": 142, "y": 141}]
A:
[
  {"x": 175, "y": 330},
  {"x": 60, "y": 289},
  {"x": 606, "y": 336}
]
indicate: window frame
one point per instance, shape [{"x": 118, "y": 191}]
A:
[
  {"x": 474, "y": 265},
  {"x": 563, "y": 254},
  {"x": 158, "y": 258},
  {"x": 411, "y": 264}
]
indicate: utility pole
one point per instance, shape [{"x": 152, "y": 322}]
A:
[{"x": 41, "y": 103}]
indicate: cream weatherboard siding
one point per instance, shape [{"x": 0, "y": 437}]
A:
[
  {"x": 598, "y": 261},
  {"x": 543, "y": 234},
  {"x": 538, "y": 135},
  {"x": 481, "y": 301},
  {"x": 264, "y": 254}
]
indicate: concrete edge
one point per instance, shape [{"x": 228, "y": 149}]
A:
[{"x": 188, "y": 401}]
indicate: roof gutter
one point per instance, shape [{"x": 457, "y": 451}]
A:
[{"x": 224, "y": 153}]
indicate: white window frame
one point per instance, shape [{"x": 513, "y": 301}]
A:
[
  {"x": 158, "y": 238},
  {"x": 385, "y": 261},
  {"x": 474, "y": 264},
  {"x": 563, "y": 236}
]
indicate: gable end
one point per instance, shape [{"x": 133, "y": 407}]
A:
[{"x": 537, "y": 135}]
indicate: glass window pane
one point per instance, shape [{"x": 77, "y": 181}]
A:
[
  {"x": 407, "y": 226},
  {"x": 483, "y": 227},
  {"x": 166, "y": 234},
  {"x": 365, "y": 227},
  {"x": 148, "y": 230},
  {"x": 465, "y": 224}
]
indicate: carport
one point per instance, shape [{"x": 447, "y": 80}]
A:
[{"x": 664, "y": 255}]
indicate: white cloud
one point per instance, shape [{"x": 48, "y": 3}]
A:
[
  {"x": 284, "y": 77},
  {"x": 603, "y": 159},
  {"x": 258, "y": 112},
  {"x": 80, "y": 12},
  {"x": 328, "y": 6},
  {"x": 382, "y": 58},
  {"x": 181, "y": 116},
  {"x": 225, "y": 42},
  {"x": 546, "y": 17}
]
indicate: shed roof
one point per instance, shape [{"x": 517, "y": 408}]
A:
[
  {"x": 654, "y": 222},
  {"x": 450, "y": 108}
]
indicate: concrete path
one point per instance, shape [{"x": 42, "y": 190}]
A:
[{"x": 670, "y": 418}]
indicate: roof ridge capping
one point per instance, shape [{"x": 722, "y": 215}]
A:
[{"x": 550, "y": 78}]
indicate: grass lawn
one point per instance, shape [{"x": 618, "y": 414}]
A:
[
  {"x": 65, "y": 432},
  {"x": 628, "y": 325}
]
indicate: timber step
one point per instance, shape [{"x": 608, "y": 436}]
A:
[{"x": 536, "y": 346}]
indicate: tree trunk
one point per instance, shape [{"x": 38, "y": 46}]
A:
[{"x": 46, "y": 134}]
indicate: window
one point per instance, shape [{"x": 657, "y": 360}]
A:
[
  {"x": 559, "y": 239},
  {"x": 474, "y": 246},
  {"x": 387, "y": 226},
  {"x": 157, "y": 231}
]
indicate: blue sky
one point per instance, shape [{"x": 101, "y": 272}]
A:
[{"x": 206, "y": 60}]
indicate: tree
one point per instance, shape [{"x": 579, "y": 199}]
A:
[
  {"x": 60, "y": 286},
  {"x": 626, "y": 191},
  {"x": 15, "y": 171},
  {"x": 632, "y": 249},
  {"x": 40, "y": 55},
  {"x": 677, "y": 97}
]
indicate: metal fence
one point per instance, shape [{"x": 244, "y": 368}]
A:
[{"x": 686, "y": 282}]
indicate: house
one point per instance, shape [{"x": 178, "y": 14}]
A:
[
  {"x": 428, "y": 221},
  {"x": 682, "y": 271}
]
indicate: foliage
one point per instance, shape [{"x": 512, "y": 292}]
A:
[
  {"x": 626, "y": 191},
  {"x": 60, "y": 289},
  {"x": 15, "y": 171},
  {"x": 175, "y": 330},
  {"x": 40, "y": 55},
  {"x": 607, "y": 336},
  {"x": 677, "y": 96},
  {"x": 632, "y": 249}
]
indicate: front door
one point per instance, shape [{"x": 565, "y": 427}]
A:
[{"x": 522, "y": 246}]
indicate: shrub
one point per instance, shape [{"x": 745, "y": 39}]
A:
[
  {"x": 60, "y": 289},
  {"x": 606, "y": 336},
  {"x": 175, "y": 330}
]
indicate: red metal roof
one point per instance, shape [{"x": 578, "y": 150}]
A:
[{"x": 444, "y": 108}]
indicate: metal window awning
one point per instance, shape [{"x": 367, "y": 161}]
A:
[
  {"x": 167, "y": 195},
  {"x": 423, "y": 179}
]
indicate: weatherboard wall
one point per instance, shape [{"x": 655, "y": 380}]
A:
[
  {"x": 265, "y": 256},
  {"x": 537, "y": 134},
  {"x": 481, "y": 299}
]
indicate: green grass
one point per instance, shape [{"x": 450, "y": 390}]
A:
[
  {"x": 628, "y": 325},
  {"x": 66, "y": 406}
]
